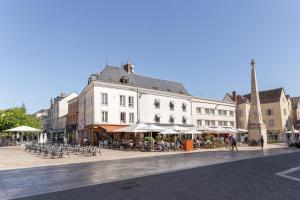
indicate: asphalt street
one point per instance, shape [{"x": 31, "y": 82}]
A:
[{"x": 245, "y": 179}]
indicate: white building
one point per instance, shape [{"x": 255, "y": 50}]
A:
[
  {"x": 57, "y": 113},
  {"x": 213, "y": 113},
  {"x": 116, "y": 97}
]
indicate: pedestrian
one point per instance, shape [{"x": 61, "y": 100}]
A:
[
  {"x": 262, "y": 141},
  {"x": 229, "y": 140},
  {"x": 233, "y": 144}
]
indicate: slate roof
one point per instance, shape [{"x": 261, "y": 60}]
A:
[
  {"x": 268, "y": 96},
  {"x": 113, "y": 74},
  {"x": 295, "y": 101}
]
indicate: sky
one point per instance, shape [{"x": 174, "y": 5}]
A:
[{"x": 51, "y": 46}]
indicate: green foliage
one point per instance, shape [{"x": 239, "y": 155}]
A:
[
  {"x": 158, "y": 138},
  {"x": 148, "y": 139},
  {"x": 14, "y": 117}
]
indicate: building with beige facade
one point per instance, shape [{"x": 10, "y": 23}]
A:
[
  {"x": 276, "y": 109},
  {"x": 72, "y": 119},
  {"x": 296, "y": 112}
]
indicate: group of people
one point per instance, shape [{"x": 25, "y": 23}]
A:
[
  {"x": 233, "y": 145},
  {"x": 161, "y": 145},
  {"x": 231, "y": 141}
]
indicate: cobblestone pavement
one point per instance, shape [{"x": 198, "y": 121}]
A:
[
  {"x": 17, "y": 158},
  {"x": 40, "y": 180},
  {"x": 250, "y": 179}
]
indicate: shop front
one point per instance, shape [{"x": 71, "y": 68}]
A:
[{"x": 95, "y": 133}]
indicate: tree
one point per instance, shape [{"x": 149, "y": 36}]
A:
[{"x": 14, "y": 117}]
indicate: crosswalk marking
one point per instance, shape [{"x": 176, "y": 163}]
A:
[{"x": 285, "y": 173}]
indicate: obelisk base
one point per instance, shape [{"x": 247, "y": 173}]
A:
[{"x": 256, "y": 130}]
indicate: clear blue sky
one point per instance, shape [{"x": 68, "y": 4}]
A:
[{"x": 207, "y": 45}]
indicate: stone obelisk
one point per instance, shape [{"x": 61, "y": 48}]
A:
[{"x": 256, "y": 125}]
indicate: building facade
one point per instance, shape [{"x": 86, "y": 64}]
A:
[
  {"x": 116, "y": 97},
  {"x": 296, "y": 112},
  {"x": 72, "y": 120},
  {"x": 276, "y": 110},
  {"x": 57, "y": 117}
]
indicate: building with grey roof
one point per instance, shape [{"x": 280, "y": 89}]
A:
[{"x": 117, "y": 97}]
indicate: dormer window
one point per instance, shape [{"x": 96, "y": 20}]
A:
[
  {"x": 124, "y": 80},
  {"x": 171, "y": 120},
  {"x": 157, "y": 103},
  {"x": 184, "y": 107},
  {"x": 157, "y": 118},
  {"x": 183, "y": 120},
  {"x": 172, "y": 105}
]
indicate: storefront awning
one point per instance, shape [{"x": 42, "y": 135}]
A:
[{"x": 111, "y": 128}]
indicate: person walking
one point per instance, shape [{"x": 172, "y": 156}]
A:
[
  {"x": 262, "y": 141},
  {"x": 229, "y": 140},
  {"x": 233, "y": 144}
]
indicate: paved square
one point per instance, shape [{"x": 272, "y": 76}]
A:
[{"x": 41, "y": 180}]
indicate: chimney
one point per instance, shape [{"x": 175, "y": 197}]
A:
[
  {"x": 234, "y": 95},
  {"x": 129, "y": 68}
]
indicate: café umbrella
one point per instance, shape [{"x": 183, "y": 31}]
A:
[
  {"x": 179, "y": 128},
  {"x": 169, "y": 132},
  {"x": 45, "y": 138},
  {"x": 24, "y": 129},
  {"x": 41, "y": 141}
]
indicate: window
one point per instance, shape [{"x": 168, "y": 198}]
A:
[
  {"x": 232, "y": 124},
  {"x": 183, "y": 120},
  {"x": 220, "y": 123},
  {"x": 157, "y": 103},
  {"x": 104, "y": 99},
  {"x": 172, "y": 105},
  {"x": 231, "y": 113},
  {"x": 122, "y": 100},
  {"x": 219, "y": 112},
  {"x": 207, "y": 123},
  {"x": 207, "y": 111},
  {"x": 199, "y": 122},
  {"x": 131, "y": 117},
  {"x": 123, "y": 117},
  {"x": 269, "y": 112},
  {"x": 225, "y": 123},
  {"x": 104, "y": 116},
  {"x": 157, "y": 119},
  {"x": 225, "y": 112},
  {"x": 271, "y": 123},
  {"x": 184, "y": 107},
  {"x": 212, "y": 123},
  {"x": 284, "y": 111},
  {"x": 212, "y": 111},
  {"x": 130, "y": 102},
  {"x": 124, "y": 80},
  {"x": 198, "y": 110},
  {"x": 171, "y": 120}
]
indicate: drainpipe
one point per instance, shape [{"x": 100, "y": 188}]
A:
[
  {"x": 137, "y": 106},
  {"x": 192, "y": 112},
  {"x": 138, "y": 95}
]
